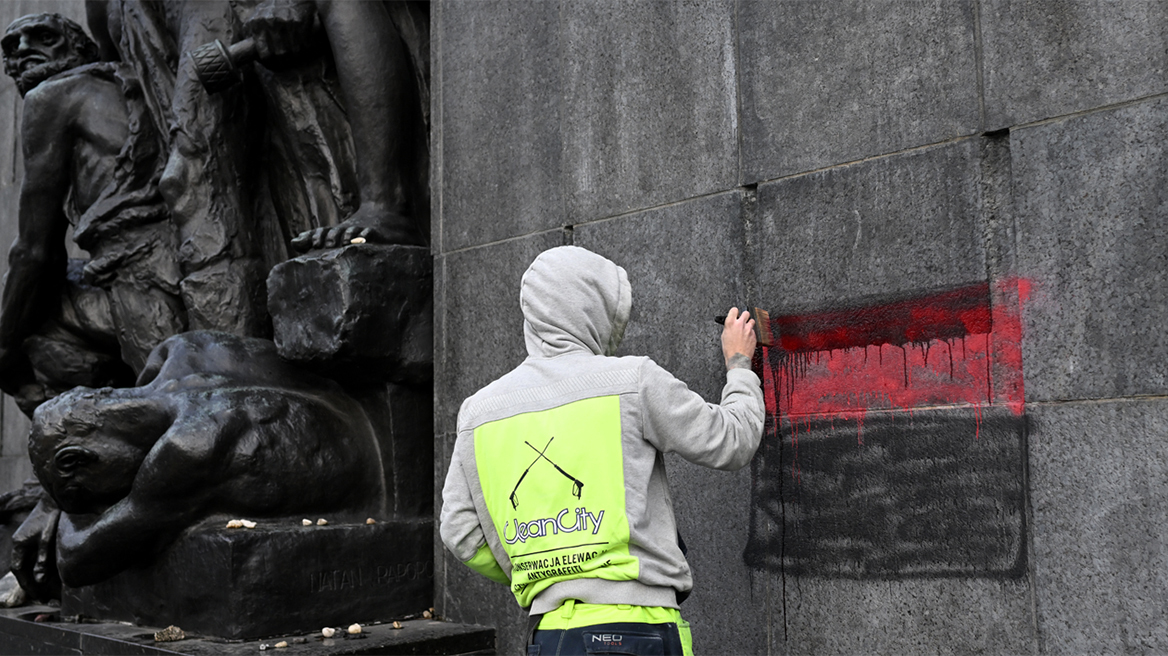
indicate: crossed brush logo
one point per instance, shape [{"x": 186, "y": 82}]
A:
[{"x": 577, "y": 484}]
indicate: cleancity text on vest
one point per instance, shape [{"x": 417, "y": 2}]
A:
[{"x": 538, "y": 528}]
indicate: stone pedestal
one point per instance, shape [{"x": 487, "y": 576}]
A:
[
  {"x": 360, "y": 313},
  {"x": 278, "y": 578},
  {"x": 42, "y": 630}
]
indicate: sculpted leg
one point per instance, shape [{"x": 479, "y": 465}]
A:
[{"x": 373, "y": 68}]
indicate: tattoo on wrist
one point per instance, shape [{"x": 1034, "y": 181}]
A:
[{"x": 738, "y": 361}]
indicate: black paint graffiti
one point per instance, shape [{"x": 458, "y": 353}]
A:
[{"x": 919, "y": 498}]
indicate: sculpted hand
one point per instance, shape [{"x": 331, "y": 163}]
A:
[
  {"x": 34, "y": 552},
  {"x": 738, "y": 339}
]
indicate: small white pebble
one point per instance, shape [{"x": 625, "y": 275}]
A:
[
  {"x": 397, "y": 625},
  {"x": 327, "y": 631},
  {"x": 371, "y": 521},
  {"x": 306, "y": 522},
  {"x": 235, "y": 523},
  {"x": 282, "y": 644},
  {"x": 357, "y": 240},
  {"x": 427, "y": 614},
  {"x": 354, "y": 629},
  {"x": 322, "y": 522},
  {"x": 247, "y": 523}
]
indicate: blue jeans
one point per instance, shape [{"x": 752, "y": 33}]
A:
[{"x": 631, "y": 638}]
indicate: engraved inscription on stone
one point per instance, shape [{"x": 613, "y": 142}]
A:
[{"x": 359, "y": 577}]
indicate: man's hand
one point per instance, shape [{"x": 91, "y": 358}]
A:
[{"x": 738, "y": 340}]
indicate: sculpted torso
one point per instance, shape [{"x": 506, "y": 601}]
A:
[{"x": 93, "y": 137}]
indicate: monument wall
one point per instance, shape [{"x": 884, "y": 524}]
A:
[
  {"x": 875, "y": 173},
  {"x": 840, "y": 166}
]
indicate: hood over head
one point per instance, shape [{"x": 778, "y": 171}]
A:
[{"x": 574, "y": 299}]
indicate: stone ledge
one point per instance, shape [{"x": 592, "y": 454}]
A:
[
  {"x": 276, "y": 579},
  {"x": 20, "y": 634}
]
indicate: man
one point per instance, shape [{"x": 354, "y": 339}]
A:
[
  {"x": 557, "y": 485},
  {"x": 91, "y": 161}
]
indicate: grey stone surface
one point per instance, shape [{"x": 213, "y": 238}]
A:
[
  {"x": 500, "y": 109},
  {"x": 634, "y": 99},
  {"x": 684, "y": 263},
  {"x": 1091, "y": 208},
  {"x": 437, "y": 127},
  {"x": 14, "y": 470},
  {"x": 480, "y": 327},
  {"x": 469, "y": 595},
  {"x": 726, "y": 615},
  {"x": 907, "y": 616},
  {"x": 958, "y": 590},
  {"x": 1098, "y": 472},
  {"x": 443, "y": 446},
  {"x": 649, "y": 105},
  {"x": 15, "y": 426},
  {"x": 10, "y": 138},
  {"x": 1046, "y": 58},
  {"x": 892, "y": 226},
  {"x": 826, "y": 82}
]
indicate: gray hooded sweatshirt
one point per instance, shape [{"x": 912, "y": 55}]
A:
[{"x": 557, "y": 483}]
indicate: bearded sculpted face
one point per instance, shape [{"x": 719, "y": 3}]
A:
[{"x": 39, "y": 46}]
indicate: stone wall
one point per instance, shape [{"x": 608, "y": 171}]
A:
[
  {"x": 807, "y": 155},
  {"x": 802, "y": 156}
]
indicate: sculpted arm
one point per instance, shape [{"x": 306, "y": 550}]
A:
[
  {"x": 36, "y": 260},
  {"x": 91, "y": 548},
  {"x": 171, "y": 491}
]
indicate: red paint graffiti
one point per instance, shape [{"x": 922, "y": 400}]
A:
[{"x": 955, "y": 347}]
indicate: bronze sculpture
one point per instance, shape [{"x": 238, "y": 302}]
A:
[
  {"x": 207, "y": 156},
  {"x": 219, "y": 424},
  {"x": 378, "y": 87},
  {"x": 186, "y": 201}
]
